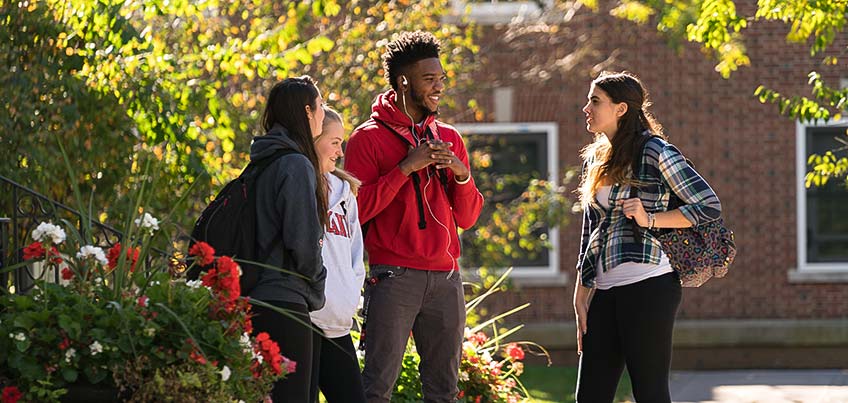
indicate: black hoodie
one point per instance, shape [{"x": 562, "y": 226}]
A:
[{"x": 286, "y": 211}]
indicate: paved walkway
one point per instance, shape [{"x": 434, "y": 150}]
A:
[{"x": 762, "y": 386}]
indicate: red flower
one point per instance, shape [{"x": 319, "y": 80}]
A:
[
  {"x": 514, "y": 351},
  {"x": 461, "y": 394},
  {"x": 143, "y": 301},
  {"x": 67, "y": 274},
  {"x": 11, "y": 394},
  {"x": 270, "y": 351},
  {"x": 34, "y": 251},
  {"x": 114, "y": 254},
  {"x": 198, "y": 358},
  {"x": 205, "y": 253},
  {"x": 224, "y": 280},
  {"x": 55, "y": 255},
  {"x": 478, "y": 338},
  {"x": 64, "y": 344}
]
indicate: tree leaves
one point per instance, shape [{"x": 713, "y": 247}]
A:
[{"x": 719, "y": 29}]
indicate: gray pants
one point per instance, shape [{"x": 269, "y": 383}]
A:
[{"x": 429, "y": 304}]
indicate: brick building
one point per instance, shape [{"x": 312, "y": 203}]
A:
[{"x": 785, "y": 301}]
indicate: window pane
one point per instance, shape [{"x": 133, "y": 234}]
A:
[
  {"x": 827, "y": 217},
  {"x": 503, "y": 165}
]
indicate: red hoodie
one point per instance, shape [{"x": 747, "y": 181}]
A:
[{"x": 387, "y": 199}]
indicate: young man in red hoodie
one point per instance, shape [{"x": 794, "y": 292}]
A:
[{"x": 416, "y": 190}]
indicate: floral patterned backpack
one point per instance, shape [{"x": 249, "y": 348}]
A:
[{"x": 697, "y": 253}]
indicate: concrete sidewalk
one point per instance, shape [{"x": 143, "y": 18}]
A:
[{"x": 762, "y": 386}]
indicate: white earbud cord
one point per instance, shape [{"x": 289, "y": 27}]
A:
[{"x": 447, "y": 231}]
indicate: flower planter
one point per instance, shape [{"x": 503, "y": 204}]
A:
[
  {"x": 123, "y": 315},
  {"x": 88, "y": 393}
]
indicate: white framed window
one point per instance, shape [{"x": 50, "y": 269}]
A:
[
  {"x": 822, "y": 225},
  {"x": 525, "y": 150},
  {"x": 494, "y": 12}
]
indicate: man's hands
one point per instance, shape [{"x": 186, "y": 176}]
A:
[{"x": 433, "y": 152}]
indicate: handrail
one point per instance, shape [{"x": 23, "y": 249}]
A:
[{"x": 21, "y": 210}]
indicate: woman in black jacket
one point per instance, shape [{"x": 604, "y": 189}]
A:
[{"x": 291, "y": 214}]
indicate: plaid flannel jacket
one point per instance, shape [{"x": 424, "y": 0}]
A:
[{"x": 608, "y": 235}]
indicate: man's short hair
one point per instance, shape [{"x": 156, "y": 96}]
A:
[{"x": 408, "y": 48}]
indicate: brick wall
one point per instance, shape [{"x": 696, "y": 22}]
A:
[{"x": 744, "y": 149}]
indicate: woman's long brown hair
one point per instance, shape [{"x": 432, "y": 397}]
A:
[
  {"x": 286, "y": 106},
  {"x": 612, "y": 159}
]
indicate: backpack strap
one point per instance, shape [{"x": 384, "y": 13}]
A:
[
  {"x": 674, "y": 202},
  {"x": 416, "y": 180},
  {"x": 441, "y": 173},
  {"x": 636, "y": 170}
]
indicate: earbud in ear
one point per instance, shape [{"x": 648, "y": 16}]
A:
[{"x": 403, "y": 80}]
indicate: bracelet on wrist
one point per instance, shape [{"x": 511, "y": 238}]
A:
[
  {"x": 651, "y": 221},
  {"x": 462, "y": 182}
]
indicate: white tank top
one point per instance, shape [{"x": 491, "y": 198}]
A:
[{"x": 627, "y": 272}]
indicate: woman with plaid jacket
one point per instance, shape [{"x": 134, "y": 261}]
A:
[{"x": 633, "y": 289}]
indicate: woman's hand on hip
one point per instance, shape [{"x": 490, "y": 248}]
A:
[
  {"x": 632, "y": 208},
  {"x": 581, "y": 312}
]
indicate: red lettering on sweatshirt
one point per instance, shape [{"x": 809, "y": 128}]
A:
[{"x": 338, "y": 225}]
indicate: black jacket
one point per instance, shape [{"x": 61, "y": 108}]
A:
[{"x": 287, "y": 222}]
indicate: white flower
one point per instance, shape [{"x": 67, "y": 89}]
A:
[
  {"x": 148, "y": 222},
  {"x": 225, "y": 373},
  {"x": 257, "y": 356},
  {"x": 194, "y": 283},
  {"x": 88, "y": 251},
  {"x": 69, "y": 354},
  {"x": 20, "y": 336},
  {"x": 48, "y": 232},
  {"x": 486, "y": 357},
  {"x": 463, "y": 376},
  {"x": 95, "y": 348},
  {"x": 149, "y": 331},
  {"x": 244, "y": 340}
]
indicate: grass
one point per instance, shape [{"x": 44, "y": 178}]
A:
[{"x": 557, "y": 384}]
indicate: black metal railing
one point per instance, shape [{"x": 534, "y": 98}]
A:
[{"x": 21, "y": 210}]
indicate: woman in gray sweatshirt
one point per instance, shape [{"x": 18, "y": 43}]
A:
[{"x": 290, "y": 217}]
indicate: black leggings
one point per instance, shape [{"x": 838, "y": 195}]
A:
[
  {"x": 338, "y": 375},
  {"x": 629, "y": 325},
  {"x": 297, "y": 342}
]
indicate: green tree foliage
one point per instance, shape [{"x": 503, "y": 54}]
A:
[
  {"x": 352, "y": 71},
  {"x": 183, "y": 81},
  {"x": 719, "y": 28},
  {"x": 176, "y": 79}
]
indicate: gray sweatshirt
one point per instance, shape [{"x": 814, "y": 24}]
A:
[{"x": 287, "y": 223}]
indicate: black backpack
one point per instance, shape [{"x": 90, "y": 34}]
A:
[{"x": 228, "y": 224}]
